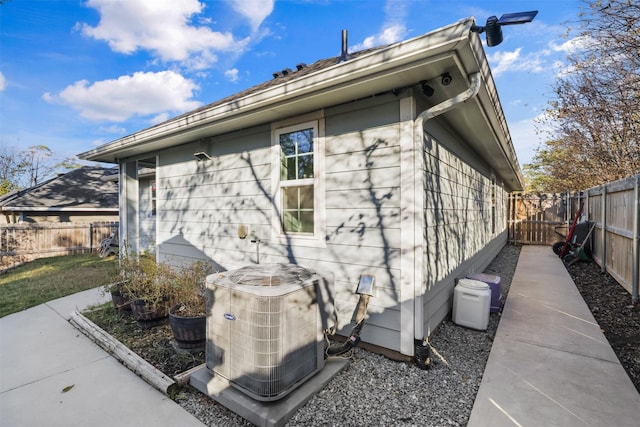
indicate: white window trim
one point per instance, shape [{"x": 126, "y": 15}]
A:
[
  {"x": 153, "y": 199},
  {"x": 318, "y": 239}
]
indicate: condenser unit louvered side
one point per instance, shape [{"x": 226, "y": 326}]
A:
[{"x": 266, "y": 337}]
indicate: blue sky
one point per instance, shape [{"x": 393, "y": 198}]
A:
[{"x": 75, "y": 74}]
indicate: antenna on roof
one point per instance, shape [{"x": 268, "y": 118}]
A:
[{"x": 493, "y": 28}]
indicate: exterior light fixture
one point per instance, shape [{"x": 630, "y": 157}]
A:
[
  {"x": 493, "y": 27},
  {"x": 202, "y": 156}
]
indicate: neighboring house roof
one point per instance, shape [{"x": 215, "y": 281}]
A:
[
  {"x": 82, "y": 189},
  {"x": 453, "y": 49}
]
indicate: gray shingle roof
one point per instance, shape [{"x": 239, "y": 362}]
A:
[{"x": 81, "y": 188}]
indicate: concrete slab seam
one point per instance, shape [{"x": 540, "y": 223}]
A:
[{"x": 535, "y": 344}]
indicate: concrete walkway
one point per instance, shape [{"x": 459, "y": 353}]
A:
[
  {"x": 41, "y": 354},
  {"x": 550, "y": 364}
]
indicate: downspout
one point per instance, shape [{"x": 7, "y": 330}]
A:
[
  {"x": 449, "y": 104},
  {"x": 422, "y": 353}
]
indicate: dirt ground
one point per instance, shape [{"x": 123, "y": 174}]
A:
[{"x": 612, "y": 308}]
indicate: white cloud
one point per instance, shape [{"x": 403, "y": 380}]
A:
[
  {"x": 163, "y": 27},
  {"x": 232, "y": 75},
  {"x": 113, "y": 129},
  {"x": 503, "y": 61},
  {"x": 569, "y": 47},
  {"x": 254, "y": 10},
  {"x": 141, "y": 94},
  {"x": 3, "y": 83},
  {"x": 393, "y": 29},
  {"x": 572, "y": 45}
]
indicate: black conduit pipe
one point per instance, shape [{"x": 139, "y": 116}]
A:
[{"x": 354, "y": 338}]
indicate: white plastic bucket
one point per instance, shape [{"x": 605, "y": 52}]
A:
[{"x": 471, "y": 303}]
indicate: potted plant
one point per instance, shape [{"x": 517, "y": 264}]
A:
[
  {"x": 119, "y": 296},
  {"x": 187, "y": 316},
  {"x": 150, "y": 292}
]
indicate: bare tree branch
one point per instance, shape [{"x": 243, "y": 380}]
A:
[{"x": 593, "y": 119}]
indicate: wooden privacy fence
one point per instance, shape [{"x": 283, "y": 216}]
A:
[
  {"x": 534, "y": 218},
  {"x": 26, "y": 242},
  {"x": 615, "y": 208}
]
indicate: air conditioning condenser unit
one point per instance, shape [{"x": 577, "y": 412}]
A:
[{"x": 265, "y": 328}]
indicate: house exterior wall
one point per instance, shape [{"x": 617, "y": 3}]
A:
[
  {"x": 464, "y": 219},
  {"x": 363, "y": 158},
  {"x": 201, "y": 204}
]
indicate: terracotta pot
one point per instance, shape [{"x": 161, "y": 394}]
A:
[{"x": 189, "y": 332}]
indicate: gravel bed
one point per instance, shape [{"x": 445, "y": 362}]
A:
[
  {"x": 376, "y": 391},
  {"x": 613, "y": 309}
]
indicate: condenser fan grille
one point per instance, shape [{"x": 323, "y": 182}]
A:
[{"x": 270, "y": 275}]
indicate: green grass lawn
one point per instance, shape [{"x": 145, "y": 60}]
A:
[{"x": 46, "y": 279}]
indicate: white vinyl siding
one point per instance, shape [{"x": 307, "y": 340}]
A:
[
  {"x": 363, "y": 211},
  {"x": 460, "y": 205},
  {"x": 201, "y": 204}
]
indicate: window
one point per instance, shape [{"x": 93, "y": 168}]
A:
[
  {"x": 296, "y": 180},
  {"x": 298, "y": 197},
  {"x": 153, "y": 198},
  {"x": 493, "y": 205}
]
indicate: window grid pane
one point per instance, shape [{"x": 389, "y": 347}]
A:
[
  {"x": 296, "y": 153},
  {"x": 297, "y": 209}
]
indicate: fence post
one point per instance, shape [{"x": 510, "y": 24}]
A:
[
  {"x": 514, "y": 203},
  {"x": 91, "y": 238},
  {"x": 586, "y": 205},
  {"x": 603, "y": 240},
  {"x": 568, "y": 207},
  {"x": 636, "y": 242}
]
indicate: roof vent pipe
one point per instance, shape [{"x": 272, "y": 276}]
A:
[{"x": 344, "y": 56}]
